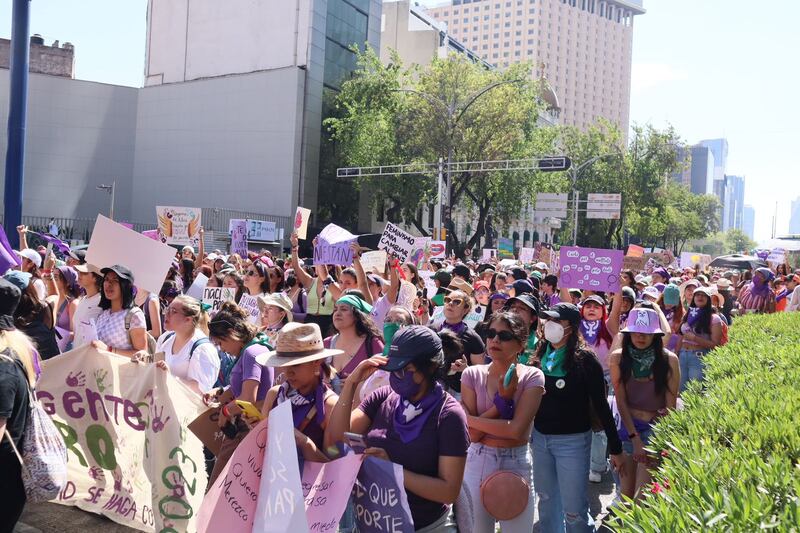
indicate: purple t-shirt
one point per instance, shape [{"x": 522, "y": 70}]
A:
[
  {"x": 247, "y": 368},
  {"x": 445, "y": 435}
]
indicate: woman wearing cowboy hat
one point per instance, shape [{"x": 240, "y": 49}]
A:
[
  {"x": 646, "y": 379},
  {"x": 300, "y": 355}
]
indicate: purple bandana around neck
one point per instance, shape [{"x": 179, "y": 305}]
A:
[
  {"x": 759, "y": 289},
  {"x": 669, "y": 314},
  {"x": 302, "y": 404},
  {"x": 695, "y": 313},
  {"x": 623, "y": 318},
  {"x": 458, "y": 329},
  {"x": 590, "y": 329},
  {"x": 409, "y": 418}
]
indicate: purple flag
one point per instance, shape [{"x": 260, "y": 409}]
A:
[
  {"x": 380, "y": 500},
  {"x": 8, "y": 258},
  {"x": 55, "y": 241},
  {"x": 595, "y": 269}
]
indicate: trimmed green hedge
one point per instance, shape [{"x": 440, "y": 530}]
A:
[{"x": 730, "y": 460}]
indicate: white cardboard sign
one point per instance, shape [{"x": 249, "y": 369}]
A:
[{"x": 396, "y": 241}]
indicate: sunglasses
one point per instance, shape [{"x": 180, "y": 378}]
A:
[
  {"x": 454, "y": 301},
  {"x": 504, "y": 335},
  {"x": 250, "y": 273}
]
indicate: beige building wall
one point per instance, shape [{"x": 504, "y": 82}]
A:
[{"x": 583, "y": 47}]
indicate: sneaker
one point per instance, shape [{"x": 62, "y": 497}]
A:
[{"x": 595, "y": 477}]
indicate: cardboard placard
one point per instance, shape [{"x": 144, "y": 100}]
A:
[
  {"x": 634, "y": 263},
  {"x": 594, "y": 269},
  {"x": 488, "y": 254},
  {"x": 113, "y": 244},
  {"x": 372, "y": 260},
  {"x": 438, "y": 249},
  {"x": 179, "y": 225},
  {"x": 249, "y": 303},
  {"x": 238, "y": 231},
  {"x": 216, "y": 296},
  {"x": 261, "y": 230},
  {"x": 396, "y": 241},
  {"x": 301, "y": 218},
  {"x": 333, "y": 246},
  {"x": 198, "y": 286},
  {"x": 690, "y": 259},
  {"x": 527, "y": 255}
]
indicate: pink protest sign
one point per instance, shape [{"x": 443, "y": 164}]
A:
[
  {"x": 326, "y": 489},
  {"x": 230, "y": 504},
  {"x": 593, "y": 269}
]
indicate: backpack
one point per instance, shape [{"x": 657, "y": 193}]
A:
[
  {"x": 196, "y": 343},
  {"x": 44, "y": 454},
  {"x": 151, "y": 341}
]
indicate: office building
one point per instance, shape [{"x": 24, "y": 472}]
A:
[
  {"x": 230, "y": 115},
  {"x": 749, "y": 221},
  {"x": 698, "y": 173},
  {"x": 582, "y": 47},
  {"x": 794, "y": 217},
  {"x": 718, "y": 147},
  {"x": 733, "y": 203}
]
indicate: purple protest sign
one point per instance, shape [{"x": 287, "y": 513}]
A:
[
  {"x": 593, "y": 269},
  {"x": 238, "y": 228},
  {"x": 151, "y": 233},
  {"x": 380, "y": 500},
  {"x": 8, "y": 258}
]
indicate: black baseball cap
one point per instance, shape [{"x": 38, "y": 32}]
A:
[
  {"x": 122, "y": 271},
  {"x": 9, "y": 299},
  {"x": 526, "y": 299},
  {"x": 463, "y": 271},
  {"x": 519, "y": 273},
  {"x": 443, "y": 277},
  {"x": 522, "y": 286},
  {"x": 562, "y": 311},
  {"x": 412, "y": 343}
]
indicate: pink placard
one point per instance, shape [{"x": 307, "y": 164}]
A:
[
  {"x": 326, "y": 489},
  {"x": 152, "y": 233}
]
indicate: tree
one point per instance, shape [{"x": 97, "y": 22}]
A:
[
  {"x": 452, "y": 110},
  {"x": 737, "y": 241}
]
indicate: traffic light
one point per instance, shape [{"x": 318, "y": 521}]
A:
[{"x": 554, "y": 164}]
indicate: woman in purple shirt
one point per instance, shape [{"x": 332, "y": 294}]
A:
[
  {"x": 413, "y": 423},
  {"x": 231, "y": 331}
]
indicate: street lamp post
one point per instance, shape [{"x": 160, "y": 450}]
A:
[
  {"x": 109, "y": 189},
  {"x": 575, "y": 174}
]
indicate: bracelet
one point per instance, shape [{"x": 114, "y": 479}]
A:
[
  {"x": 506, "y": 407},
  {"x": 224, "y": 411}
]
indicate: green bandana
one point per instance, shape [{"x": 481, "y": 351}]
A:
[
  {"x": 642, "y": 361},
  {"x": 525, "y": 357},
  {"x": 262, "y": 339},
  {"x": 356, "y": 302},
  {"x": 553, "y": 362}
]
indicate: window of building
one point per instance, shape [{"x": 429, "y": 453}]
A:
[
  {"x": 485, "y": 47},
  {"x": 506, "y": 44},
  {"x": 517, "y": 53},
  {"x": 505, "y": 54},
  {"x": 494, "y": 55},
  {"x": 496, "y": 45},
  {"x": 486, "y": 17},
  {"x": 519, "y": 23},
  {"x": 507, "y": 34},
  {"x": 517, "y": 43},
  {"x": 530, "y": 41},
  {"x": 507, "y": 24}
]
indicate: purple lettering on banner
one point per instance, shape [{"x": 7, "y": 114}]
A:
[
  {"x": 380, "y": 500},
  {"x": 333, "y": 254},
  {"x": 238, "y": 228},
  {"x": 593, "y": 269}
]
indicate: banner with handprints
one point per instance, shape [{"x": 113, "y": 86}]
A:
[
  {"x": 179, "y": 225},
  {"x": 129, "y": 454}
]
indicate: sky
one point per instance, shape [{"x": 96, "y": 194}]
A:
[{"x": 711, "y": 68}]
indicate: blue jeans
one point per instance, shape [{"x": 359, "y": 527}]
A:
[
  {"x": 560, "y": 469},
  {"x": 599, "y": 440},
  {"x": 692, "y": 366}
]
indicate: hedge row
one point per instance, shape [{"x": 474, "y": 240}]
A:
[{"x": 730, "y": 461}]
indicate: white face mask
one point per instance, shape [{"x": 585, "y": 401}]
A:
[{"x": 553, "y": 331}]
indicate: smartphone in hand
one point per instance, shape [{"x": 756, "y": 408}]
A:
[{"x": 355, "y": 441}]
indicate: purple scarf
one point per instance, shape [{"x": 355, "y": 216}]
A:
[
  {"x": 669, "y": 314},
  {"x": 694, "y": 316},
  {"x": 590, "y": 329},
  {"x": 760, "y": 284},
  {"x": 458, "y": 329},
  {"x": 302, "y": 404},
  {"x": 409, "y": 418},
  {"x": 623, "y": 318}
]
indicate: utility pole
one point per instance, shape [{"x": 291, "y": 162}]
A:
[
  {"x": 109, "y": 189},
  {"x": 17, "y": 117}
]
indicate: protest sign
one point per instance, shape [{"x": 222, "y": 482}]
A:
[
  {"x": 634, "y": 263},
  {"x": 326, "y": 489},
  {"x": 430, "y": 284},
  {"x": 595, "y": 269},
  {"x": 238, "y": 230},
  {"x": 372, "y": 260},
  {"x": 198, "y": 286},
  {"x": 261, "y": 230},
  {"x": 505, "y": 248},
  {"x": 396, "y": 241},
  {"x": 151, "y": 234},
  {"x": 179, "y": 225},
  {"x": 421, "y": 246},
  {"x": 527, "y": 255},
  {"x": 333, "y": 246},
  {"x": 216, "y": 296},
  {"x": 380, "y": 500},
  {"x": 113, "y": 244},
  {"x": 129, "y": 455},
  {"x": 777, "y": 256},
  {"x": 249, "y": 303},
  {"x": 206, "y": 428},
  {"x": 230, "y": 504},
  {"x": 438, "y": 249},
  {"x": 690, "y": 259},
  {"x": 301, "y": 218},
  {"x": 488, "y": 254},
  {"x": 280, "y": 505},
  {"x": 634, "y": 251}
]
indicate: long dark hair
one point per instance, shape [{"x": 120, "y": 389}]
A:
[
  {"x": 513, "y": 322},
  {"x": 30, "y": 308},
  {"x": 125, "y": 287},
  {"x": 576, "y": 349},
  {"x": 263, "y": 271},
  {"x": 187, "y": 266},
  {"x": 239, "y": 280},
  {"x": 280, "y": 287},
  {"x": 363, "y": 322},
  {"x": 661, "y": 367},
  {"x": 232, "y": 321},
  {"x": 703, "y": 326}
]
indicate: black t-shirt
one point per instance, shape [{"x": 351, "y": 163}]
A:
[
  {"x": 566, "y": 404},
  {"x": 14, "y": 402},
  {"x": 472, "y": 345}
]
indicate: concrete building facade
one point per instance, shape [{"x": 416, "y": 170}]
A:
[
  {"x": 55, "y": 60},
  {"x": 698, "y": 173},
  {"x": 582, "y": 47}
]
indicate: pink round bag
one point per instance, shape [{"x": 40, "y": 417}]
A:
[{"x": 505, "y": 494}]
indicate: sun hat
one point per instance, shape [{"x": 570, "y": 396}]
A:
[
  {"x": 478, "y": 284},
  {"x": 540, "y": 266},
  {"x": 652, "y": 292},
  {"x": 672, "y": 295},
  {"x": 458, "y": 284},
  {"x": 643, "y": 320},
  {"x": 297, "y": 344},
  {"x": 412, "y": 343},
  {"x": 9, "y": 299},
  {"x": 78, "y": 255},
  {"x": 689, "y": 282},
  {"x": 562, "y": 311},
  {"x": 279, "y": 300},
  {"x": 87, "y": 268},
  {"x": 32, "y": 255},
  {"x": 723, "y": 284},
  {"x": 18, "y": 278},
  {"x": 70, "y": 276}
]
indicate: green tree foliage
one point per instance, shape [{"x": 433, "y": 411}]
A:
[
  {"x": 391, "y": 114},
  {"x": 737, "y": 241}
]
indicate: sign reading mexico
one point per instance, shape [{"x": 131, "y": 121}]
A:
[
  {"x": 595, "y": 269},
  {"x": 179, "y": 225},
  {"x": 129, "y": 454},
  {"x": 396, "y": 241}
]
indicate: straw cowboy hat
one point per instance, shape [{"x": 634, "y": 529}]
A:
[{"x": 297, "y": 344}]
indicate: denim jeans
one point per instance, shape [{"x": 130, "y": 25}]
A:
[
  {"x": 599, "y": 439},
  {"x": 483, "y": 461},
  {"x": 561, "y": 466},
  {"x": 692, "y": 366}
]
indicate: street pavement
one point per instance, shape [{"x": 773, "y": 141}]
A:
[{"x": 54, "y": 518}]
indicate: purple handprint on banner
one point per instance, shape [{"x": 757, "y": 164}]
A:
[
  {"x": 158, "y": 424},
  {"x": 76, "y": 380}
]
